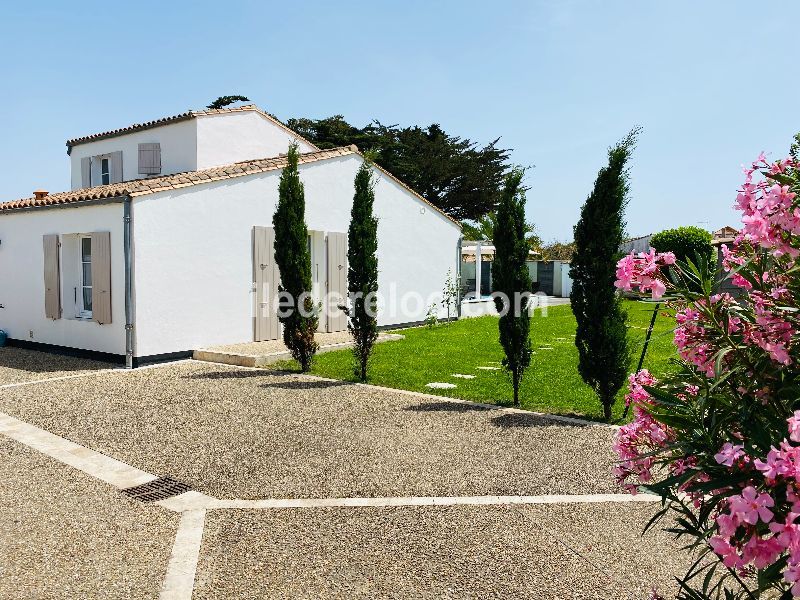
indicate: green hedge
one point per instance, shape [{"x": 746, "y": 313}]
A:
[{"x": 684, "y": 242}]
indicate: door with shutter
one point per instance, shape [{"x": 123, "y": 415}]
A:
[
  {"x": 52, "y": 277},
  {"x": 265, "y": 281},
  {"x": 101, "y": 277},
  {"x": 337, "y": 279}
]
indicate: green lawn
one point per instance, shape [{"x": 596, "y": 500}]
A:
[{"x": 551, "y": 384}]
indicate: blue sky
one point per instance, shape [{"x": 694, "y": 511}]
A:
[{"x": 712, "y": 83}]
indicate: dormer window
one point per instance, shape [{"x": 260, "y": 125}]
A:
[
  {"x": 105, "y": 171},
  {"x": 102, "y": 169}
]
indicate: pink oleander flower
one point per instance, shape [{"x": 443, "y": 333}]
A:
[
  {"x": 751, "y": 506},
  {"x": 643, "y": 272},
  {"x": 762, "y": 552},
  {"x": 729, "y": 454},
  {"x": 727, "y": 552},
  {"x": 794, "y": 426},
  {"x": 792, "y": 575}
]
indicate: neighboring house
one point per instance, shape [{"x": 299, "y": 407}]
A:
[
  {"x": 725, "y": 235},
  {"x": 472, "y": 268},
  {"x": 165, "y": 245},
  {"x": 720, "y": 237},
  {"x": 636, "y": 245}
]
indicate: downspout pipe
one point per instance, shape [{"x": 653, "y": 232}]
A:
[{"x": 127, "y": 220}]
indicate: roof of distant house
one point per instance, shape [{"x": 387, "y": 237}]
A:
[
  {"x": 725, "y": 235},
  {"x": 190, "y": 114}
]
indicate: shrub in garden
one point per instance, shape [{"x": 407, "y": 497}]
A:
[
  {"x": 297, "y": 312},
  {"x": 720, "y": 440},
  {"x": 362, "y": 271},
  {"x": 684, "y": 242},
  {"x": 601, "y": 336}
]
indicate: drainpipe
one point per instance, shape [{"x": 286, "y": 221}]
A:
[
  {"x": 127, "y": 237},
  {"x": 478, "y": 268},
  {"x": 459, "y": 258}
]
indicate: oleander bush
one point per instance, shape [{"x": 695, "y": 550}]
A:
[{"x": 720, "y": 439}]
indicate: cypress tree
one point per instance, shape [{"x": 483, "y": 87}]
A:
[
  {"x": 512, "y": 282},
  {"x": 362, "y": 271},
  {"x": 297, "y": 312},
  {"x": 601, "y": 335}
]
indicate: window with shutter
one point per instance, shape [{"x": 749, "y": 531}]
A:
[{"x": 150, "y": 159}]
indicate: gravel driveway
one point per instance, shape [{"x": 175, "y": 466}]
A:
[
  {"x": 251, "y": 434},
  {"x": 19, "y": 366},
  {"x": 66, "y": 535},
  {"x": 579, "y": 552}
]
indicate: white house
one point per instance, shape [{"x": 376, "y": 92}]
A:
[{"x": 164, "y": 243}]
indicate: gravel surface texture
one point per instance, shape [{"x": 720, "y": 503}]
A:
[
  {"x": 18, "y": 365},
  {"x": 273, "y": 346},
  {"x": 543, "y": 552},
  {"x": 236, "y": 433},
  {"x": 66, "y": 535}
]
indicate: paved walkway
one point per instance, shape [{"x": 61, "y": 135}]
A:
[
  {"x": 261, "y": 354},
  {"x": 304, "y": 488}
]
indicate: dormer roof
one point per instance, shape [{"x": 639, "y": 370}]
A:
[{"x": 190, "y": 114}]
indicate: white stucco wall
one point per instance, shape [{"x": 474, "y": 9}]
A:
[
  {"x": 227, "y": 138},
  {"x": 193, "y": 265},
  {"x": 199, "y": 143},
  {"x": 22, "y": 277},
  {"x": 178, "y": 150}
]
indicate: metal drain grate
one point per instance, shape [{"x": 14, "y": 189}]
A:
[{"x": 158, "y": 489}]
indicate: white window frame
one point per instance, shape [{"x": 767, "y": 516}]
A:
[{"x": 82, "y": 312}]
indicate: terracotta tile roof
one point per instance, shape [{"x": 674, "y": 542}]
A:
[
  {"x": 191, "y": 114},
  {"x": 142, "y": 187}
]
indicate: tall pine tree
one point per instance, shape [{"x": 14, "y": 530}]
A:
[
  {"x": 362, "y": 271},
  {"x": 512, "y": 281},
  {"x": 297, "y": 313},
  {"x": 601, "y": 335}
]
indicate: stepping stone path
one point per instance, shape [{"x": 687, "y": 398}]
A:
[
  {"x": 462, "y": 376},
  {"x": 488, "y": 368},
  {"x": 438, "y": 385}
]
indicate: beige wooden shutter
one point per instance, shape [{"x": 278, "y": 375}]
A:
[
  {"x": 150, "y": 159},
  {"x": 86, "y": 172},
  {"x": 101, "y": 277},
  {"x": 337, "y": 278},
  {"x": 116, "y": 167},
  {"x": 52, "y": 278},
  {"x": 265, "y": 279}
]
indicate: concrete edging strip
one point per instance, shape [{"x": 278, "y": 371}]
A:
[
  {"x": 178, "y": 583},
  {"x": 217, "y": 504},
  {"x": 93, "y": 463}
]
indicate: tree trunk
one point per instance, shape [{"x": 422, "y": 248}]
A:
[
  {"x": 606, "y": 410},
  {"x": 515, "y": 379}
]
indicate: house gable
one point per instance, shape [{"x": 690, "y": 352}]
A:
[{"x": 191, "y": 141}]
